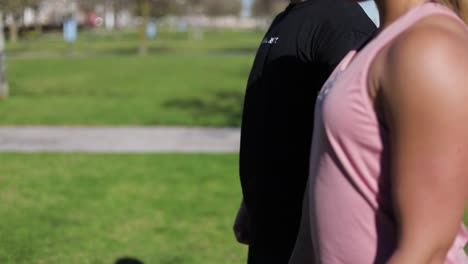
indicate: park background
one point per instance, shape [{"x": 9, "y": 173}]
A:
[{"x": 130, "y": 63}]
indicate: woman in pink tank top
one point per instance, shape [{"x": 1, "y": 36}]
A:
[{"x": 389, "y": 161}]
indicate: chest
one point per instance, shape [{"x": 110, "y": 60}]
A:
[
  {"x": 286, "y": 41},
  {"x": 343, "y": 104}
]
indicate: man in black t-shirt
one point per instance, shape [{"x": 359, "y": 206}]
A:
[{"x": 298, "y": 53}]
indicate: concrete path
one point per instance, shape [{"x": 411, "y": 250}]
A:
[{"x": 119, "y": 139}]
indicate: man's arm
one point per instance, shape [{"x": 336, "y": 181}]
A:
[
  {"x": 241, "y": 225},
  {"x": 425, "y": 95}
]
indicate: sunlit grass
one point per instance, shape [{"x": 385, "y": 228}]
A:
[
  {"x": 101, "y": 43},
  {"x": 183, "y": 81},
  {"x": 98, "y": 208},
  {"x": 171, "y": 89}
]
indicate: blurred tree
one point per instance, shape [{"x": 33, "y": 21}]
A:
[
  {"x": 146, "y": 9},
  {"x": 268, "y": 7},
  {"x": 120, "y": 5},
  {"x": 160, "y": 8},
  {"x": 153, "y": 8},
  {"x": 15, "y": 9},
  {"x": 144, "y": 12},
  {"x": 3, "y": 79},
  {"x": 210, "y": 7},
  {"x": 222, "y": 7},
  {"x": 88, "y": 5},
  {"x": 35, "y": 5}
]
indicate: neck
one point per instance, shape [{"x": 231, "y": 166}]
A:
[{"x": 390, "y": 10}]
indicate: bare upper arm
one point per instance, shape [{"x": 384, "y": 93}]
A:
[{"x": 424, "y": 87}]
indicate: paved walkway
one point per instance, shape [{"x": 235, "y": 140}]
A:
[{"x": 119, "y": 139}]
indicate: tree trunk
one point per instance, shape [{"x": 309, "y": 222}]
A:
[
  {"x": 14, "y": 30},
  {"x": 3, "y": 80},
  {"x": 145, "y": 10},
  {"x": 37, "y": 22}
]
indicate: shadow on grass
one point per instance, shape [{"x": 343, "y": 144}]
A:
[
  {"x": 220, "y": 108},
  {"x": 128, "y": 260},
  {"x": 164, "y": 260}
]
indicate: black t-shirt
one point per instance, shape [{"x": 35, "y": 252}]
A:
[{"x": 298, "y": 53}]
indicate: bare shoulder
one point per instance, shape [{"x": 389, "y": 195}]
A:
[
  {"x": 428, "y": 61},
  {"x": 437, "y": 41}
]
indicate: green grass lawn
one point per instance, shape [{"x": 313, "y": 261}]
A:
[
  {"x": 73, "y": 208},
  {"x": 170, "y": 89},
  {"x": 192, "y": 83},
  {"x": 80, "y": 208},
  {"x": 99, "y": 43}
]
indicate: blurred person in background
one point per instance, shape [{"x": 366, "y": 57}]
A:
[
  {"x": 300, "y": 50},
  {"x": 388, "y": 177}
]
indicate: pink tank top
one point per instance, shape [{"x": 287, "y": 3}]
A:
[{"x": 350, "y": 207}]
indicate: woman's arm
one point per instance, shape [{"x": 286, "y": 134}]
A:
[
  {"x": 304, "y": 251},
  {"x": 424, "y": 92}
]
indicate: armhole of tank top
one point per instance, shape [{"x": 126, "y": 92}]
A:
[{"x": 373, "y": 113}]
